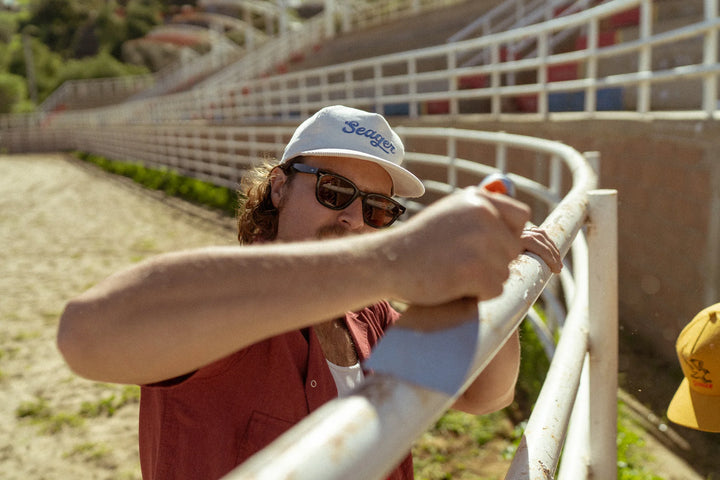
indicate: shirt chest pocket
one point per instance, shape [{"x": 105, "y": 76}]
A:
[{"x": 261, "y": 430}]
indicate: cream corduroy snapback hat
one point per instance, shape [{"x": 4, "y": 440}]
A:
[
  {"x": 340, "y": 131},
  {"x": 696, "y": 403}
]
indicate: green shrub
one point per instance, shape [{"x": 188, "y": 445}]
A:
[
  {"x": 103, "y": 65},
  {"x": 8, "y": 27},
  {"x": 13, "y": 92},
  {"x": 142, "y": 16}
]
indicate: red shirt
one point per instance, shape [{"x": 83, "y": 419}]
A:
[{"x": 203, "y": 425}]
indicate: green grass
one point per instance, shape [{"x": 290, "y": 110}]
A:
[
  {"x": 480, "y": 428},
  {"x": 39, "y": 412},
  {"x": 109, "y": 405},
  {"x": 33, "y": 409},
  {"x": 89, "y": 450},
  {"x": 630, "y": 441},
  {"x": 447, "y": 449}
]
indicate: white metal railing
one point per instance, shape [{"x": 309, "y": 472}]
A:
[
  {"x": 375, "y": 12},
  {"x": 525, "y": 15},
  {"x": 351, "y": 14},
  {"x": 412, "y": 83},
  {"x": 77, "y": 94},
  {"x": 513, "y": 14},
  {"x": 385, "y": 416},
  {"x": 187, "y": 71}
]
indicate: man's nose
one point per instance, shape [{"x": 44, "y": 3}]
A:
[{"x": 352, "y": 216}]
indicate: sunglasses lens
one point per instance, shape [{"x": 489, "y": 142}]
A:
[
  {"x": 335, "y": 192},
  {"x": 380, "y": 211}
]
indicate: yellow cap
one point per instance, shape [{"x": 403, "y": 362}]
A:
[{"x": 696, "y": 403}]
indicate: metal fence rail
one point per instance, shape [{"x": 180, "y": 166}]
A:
[
  {"x": 382, "y": 419},
  {"x": 386, "y": 415},
  {"x": 625, "y": 79}
]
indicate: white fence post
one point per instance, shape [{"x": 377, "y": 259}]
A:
[
  {"x": 603, "y": 316},
  {"x": 645, "y": 57},
  {"x": 329, "y": 18},
  {"x": 710, "y": 57}
]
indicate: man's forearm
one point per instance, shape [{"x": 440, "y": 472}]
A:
[
  {"x": 494, "y": 388},
  {"x": 180, "y": 311}
]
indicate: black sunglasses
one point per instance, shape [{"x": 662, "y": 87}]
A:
[{"x": 337, "y": 193}]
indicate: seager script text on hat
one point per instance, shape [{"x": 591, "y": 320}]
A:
[{"x": 376, "y": 139}]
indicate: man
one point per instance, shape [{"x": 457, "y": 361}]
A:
[{"x": 232, "y": 346}]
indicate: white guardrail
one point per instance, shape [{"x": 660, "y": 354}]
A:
[
  {"x": 365, "y": 435},
  {"x": 634, "y": 77},
  {"x": 385, "y": 416}
]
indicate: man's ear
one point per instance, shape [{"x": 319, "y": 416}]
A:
[{"x": 278, "y": 183}]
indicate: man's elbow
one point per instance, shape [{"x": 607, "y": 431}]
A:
[
  {"x": 483, "y": 405},
  {"x": 74, "y": 341},
  {"x": 502, "y": 401}
]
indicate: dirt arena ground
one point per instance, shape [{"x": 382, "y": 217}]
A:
[{"x": 64, "y": 226}]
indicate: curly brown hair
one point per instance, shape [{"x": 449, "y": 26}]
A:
[{"x": 257, "y": 217}]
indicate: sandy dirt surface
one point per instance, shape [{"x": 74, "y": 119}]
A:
[{"x": 64, "y": 226}]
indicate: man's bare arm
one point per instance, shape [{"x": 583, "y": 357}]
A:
[
  {"x": 177, "y": 312},
  {"x": 494, "y": 388}
]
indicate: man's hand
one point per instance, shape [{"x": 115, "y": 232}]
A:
[
  {"x": 536, "y": 240},
  {"x": 460, "y": 246}
]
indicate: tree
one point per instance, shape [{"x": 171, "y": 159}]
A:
[
  {"x": 110, "y": 29},
  {"x": 8, "y": 27},
  {"x": 57, "y": 22},
  {"x": 142, "y": 16},
  {"x": 48, "y": 65},
  {"x": 12, "y": 92}
]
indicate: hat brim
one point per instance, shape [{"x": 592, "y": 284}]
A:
[
  {"x": 405, "y": 183},
  {"x": 691, "y": 409}
]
